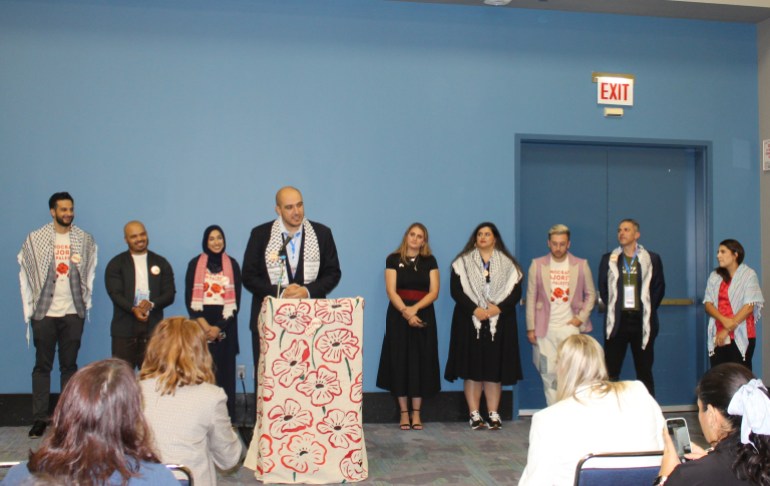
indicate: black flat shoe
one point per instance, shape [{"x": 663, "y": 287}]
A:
[{"x": 37, "y": 430}]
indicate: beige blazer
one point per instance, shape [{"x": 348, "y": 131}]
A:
[{"x": 192, "y": 427}]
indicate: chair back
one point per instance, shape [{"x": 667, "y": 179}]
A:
[
  {"x": 184, "y": 471},
  {"x": 177, "y": 469},
  {"x": 618, "y": 469},
  {"x": 4, "y": 466}
]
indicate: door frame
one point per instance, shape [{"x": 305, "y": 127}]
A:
[{"x": 702, "y": 154}]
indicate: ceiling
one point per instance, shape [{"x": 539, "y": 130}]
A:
[{"x": 750, "y": 11}]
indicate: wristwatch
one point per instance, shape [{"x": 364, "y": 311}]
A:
[{"x": 660, "y": 481}]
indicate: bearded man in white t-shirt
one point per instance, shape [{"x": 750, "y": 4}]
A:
[
  {"x": 58, "y": 264},
  {"x": 560, "y": 297}
]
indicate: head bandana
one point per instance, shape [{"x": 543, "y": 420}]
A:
[{"x": 751, "y": 402}]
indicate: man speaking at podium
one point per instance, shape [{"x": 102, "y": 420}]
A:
[{"x": 298, "y": 254}]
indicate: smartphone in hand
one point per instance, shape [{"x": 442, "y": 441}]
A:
[{"x": 680, "y": 436}]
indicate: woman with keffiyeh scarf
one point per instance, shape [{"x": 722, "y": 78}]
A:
[
  {"x": 484, "y": 346},
  {"x": 213, "y": 297},
  {"x": 734, "y": 303}
]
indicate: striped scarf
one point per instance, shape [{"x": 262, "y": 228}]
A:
[
  {"x": 196, "y": 302},
  {"x": 744, "y": 289},
  {"x": 645, "y": 265}
]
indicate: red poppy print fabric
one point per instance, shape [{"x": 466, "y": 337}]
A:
[{"x": 309, "y": 423}]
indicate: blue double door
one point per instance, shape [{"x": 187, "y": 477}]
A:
[{"x": 590, "y": 187}]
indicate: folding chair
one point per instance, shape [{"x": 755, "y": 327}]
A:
[
  {"x": 618, "y": 469},
  {"x": 4, "y": 466},
  {"x": 174, "y": 468},
  {"x": 184, "y": 470}
]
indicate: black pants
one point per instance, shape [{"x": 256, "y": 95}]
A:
[
  {"x": 731, "y": 354},
  {"x": 130, "y": 349},
  {"x": 224, "y": 370},
  {"x": 48, "y": 333},
  {"x": 629, "y": 332}
]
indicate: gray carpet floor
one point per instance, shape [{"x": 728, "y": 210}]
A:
[{"x": 443, "y": 453}]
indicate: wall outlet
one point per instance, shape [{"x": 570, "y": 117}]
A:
[{"x": 241, "y": 370}]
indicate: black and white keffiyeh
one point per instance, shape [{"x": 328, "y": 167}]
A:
[
  {"x": 35, "y": 259},
  {"x": 311, "y": 254},
  {"x": 503, "y": 277}
]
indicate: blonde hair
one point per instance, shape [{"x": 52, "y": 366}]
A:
[
  {"x": 559, "y": 229},
  {"x": 580, "y": 362},
  {"x": 177, "y": 355},
  {"x": 424, "y": 250}
]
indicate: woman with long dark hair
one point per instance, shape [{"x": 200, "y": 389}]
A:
[
  {"x": 98, "y": 434},
  {"x": 484, "y": 346},
  {"x": 409, "y": 360},
  {"x": 734, "y": 302},
  {"x": 185, "y": 409},
  {"x": 734, "y": 414},
  {"x": 213, "y": 297}
]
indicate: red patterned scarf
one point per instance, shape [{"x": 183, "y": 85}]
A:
[{"x": 200, "y": 277}]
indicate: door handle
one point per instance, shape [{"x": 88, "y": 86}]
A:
[{"x": 677, "y": 302}]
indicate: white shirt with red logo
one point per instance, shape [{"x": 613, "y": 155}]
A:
[
  {"x": 561, "y": 312},
  {"x": 62, "y": 303},
  {"x": 214, "y": 288}
]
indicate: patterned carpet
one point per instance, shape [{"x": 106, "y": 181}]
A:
[{"x": 443, "y": 453}]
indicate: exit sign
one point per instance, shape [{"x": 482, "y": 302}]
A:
[{"x": 614, "y": 89}]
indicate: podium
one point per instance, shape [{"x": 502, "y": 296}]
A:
[{"x": 309, "y": 420}]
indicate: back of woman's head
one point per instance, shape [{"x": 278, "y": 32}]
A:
[
  {"x": 719, "y": 384},
  {"x": 580, "y": 362},
  {"x": 177, "y": 355},
  {"x": 718, "y": 387},
  {"x": 97, "y": 428}
]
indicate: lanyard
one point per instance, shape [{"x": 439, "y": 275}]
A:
[
  {"x": 293, "y": 244},
  {"x": 293, "y": 260},
  {"x": 628, "y": 267}
]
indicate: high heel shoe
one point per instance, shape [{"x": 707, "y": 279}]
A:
[
  {"x": 416, "y": 425},
  {"x": 408, "y": 424}
]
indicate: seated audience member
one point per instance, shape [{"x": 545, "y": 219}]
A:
[
  {"x": 98, "y": 435},
  {"x": 186, "y": 411},
  {"x": 591, "y": 414},
  {"x": 734, "y": 414}
]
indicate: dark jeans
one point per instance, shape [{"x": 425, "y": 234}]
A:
[
  {"x": 130, "y": 349},
  {"x": 47, "y": 333},
  {"x": 629, "y": 332},
  {"x": 731, "y": 354}
]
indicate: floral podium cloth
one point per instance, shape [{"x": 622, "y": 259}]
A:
[{"x": 309, "y": 425}]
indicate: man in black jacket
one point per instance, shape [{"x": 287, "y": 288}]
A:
[
  {"x": 140, "y": 284},
  {"x": 292, "y": 254},
  {"x": 632, "y": 285}
]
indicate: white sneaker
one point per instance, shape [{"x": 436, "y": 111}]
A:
[
  {"x": 476, "y": 421},
  {"x": 495, "y": 423}
]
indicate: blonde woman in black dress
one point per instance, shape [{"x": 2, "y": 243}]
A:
[{"x": 409, "y": 361}]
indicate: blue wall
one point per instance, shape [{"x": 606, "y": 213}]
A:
[{"x": 184, "y": 113}]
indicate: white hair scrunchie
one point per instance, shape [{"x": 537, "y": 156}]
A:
[{"x": 751, "y": 402}]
